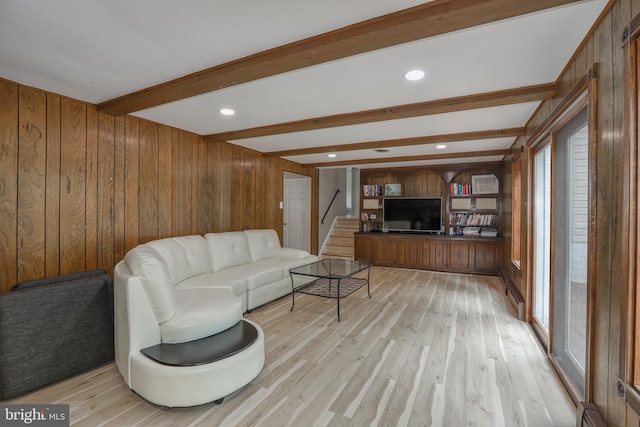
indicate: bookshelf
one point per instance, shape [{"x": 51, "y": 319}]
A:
[
  {"x": 371, "y": 209},
  {"x": 474, "y": 205},
  {"x": 470, "y": 194}
]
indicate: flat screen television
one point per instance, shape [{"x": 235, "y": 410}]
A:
[{"x": 415, "y": 214}]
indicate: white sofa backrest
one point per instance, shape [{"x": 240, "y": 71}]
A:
[
  {"x": 197, "y": 254},
  {"x": 175, "y": 258},
  {"x": 227, "y": 249},
  {"x": 263, "y": 244},
  {"x": 146, "y": 263}
]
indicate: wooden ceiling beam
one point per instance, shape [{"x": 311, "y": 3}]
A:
[
  {"x": 487, "y": 153},
  {"x": 439, "y": 106},
  {"x": 404, "y": 142},
  {"x": 416, "y": 23}
]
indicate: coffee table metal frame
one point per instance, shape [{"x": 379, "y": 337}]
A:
[{"x": 327, "y": 272}]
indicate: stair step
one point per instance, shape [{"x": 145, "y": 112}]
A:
[
  {"x": 339, "y": 250},
  {"x": 347, "y": 223},
  {"x": 344, "y": 232},
  {"x": 327, "y": 256},
  {"x": 341, "y": 240}
]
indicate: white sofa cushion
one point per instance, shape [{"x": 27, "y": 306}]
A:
[
  {"x": 174, "y": 256},
  {"x": 146, "y": 263},
  {"x": 221, "y": 279},
  {"x": 294, "y": 253},
  {"x": 287, "y": 263},
  {"x": 197, "y": 254},
  {"x": 263, "y": 244},
  {"x": 257, "y": 274},
  {"x": 216, "y": 310},
  {"x": 228, "y": 249}
]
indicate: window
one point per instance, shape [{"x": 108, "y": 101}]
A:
[
  {"x": 562, "y": 227},
  {"x": 542, "y": 237},
  {"x": 516, "y": 211}
]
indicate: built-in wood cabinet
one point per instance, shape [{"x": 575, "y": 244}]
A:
[{"x": 430, "y": 252}]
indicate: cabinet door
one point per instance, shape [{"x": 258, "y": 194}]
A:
[
  {"x": 427, "y": 254},
  {"x": 438, "y": 254},
  {"x": 460, "y": 256},
  {"x": 413, "y": 253},
  {"x": 485, "y": 257},
  {"x": 363, "y": 247},
  {"x": 384, "y": 252}
]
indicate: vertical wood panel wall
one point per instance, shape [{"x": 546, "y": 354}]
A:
[
  {"x": 79, "y": 188},
  {"x": 602, "y": 50}
]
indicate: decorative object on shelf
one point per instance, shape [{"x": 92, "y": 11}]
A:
[
  {"x": 461, "y": 203},
  {"x": 486, "y": 203},
  {"x": 484, "y": 184},
  {"x": 393, "y": 189},
  {"x": 370, "y": 204}
]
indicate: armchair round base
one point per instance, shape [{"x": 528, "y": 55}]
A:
[{"x": 182, "y": 386}]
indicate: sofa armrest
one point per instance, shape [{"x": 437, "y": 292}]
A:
[{"x": 293, "y": 253}]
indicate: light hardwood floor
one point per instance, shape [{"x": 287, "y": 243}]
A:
[{"x": 428, "y": 349}]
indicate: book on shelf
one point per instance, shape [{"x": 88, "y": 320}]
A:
[
  {"x": 473, "y": 219},
  {"x": 489, "y": 232},
  {"x": 372, "y": 190},
  {"x": 457, "y": 189},
  {"x": 471, "y": 231}
]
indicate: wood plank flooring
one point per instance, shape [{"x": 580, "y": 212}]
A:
[{"x": 428, "y": 349}]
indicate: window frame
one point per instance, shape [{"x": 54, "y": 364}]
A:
[{"x": 516, "y": 211}]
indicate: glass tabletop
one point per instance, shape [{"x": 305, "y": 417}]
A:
[{"x": 331, "y": 268}]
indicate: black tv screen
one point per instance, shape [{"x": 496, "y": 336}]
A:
[{"x": 418, "y": 214}]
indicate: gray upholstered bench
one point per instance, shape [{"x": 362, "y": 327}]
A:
[{"x": 54, "y": 328}]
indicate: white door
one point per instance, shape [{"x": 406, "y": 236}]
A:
[{"x": 296, "y": 230}]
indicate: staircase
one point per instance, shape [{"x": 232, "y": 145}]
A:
[{"x": 340, "y": 243}]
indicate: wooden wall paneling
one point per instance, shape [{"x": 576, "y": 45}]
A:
[
  {"x": 621, "y": 13},
  {"x": 31, "y": 183},
  {"x": 225, "y": 165},
  {"x": 194, "y": 183},
  {"x": 214, "y": 165},
  {"x": 273, "y": 172},
  {"x": 8, "y": 185},
  {"x": 602, "y": 50},
  {"x": 185, "y": 149},
  {"x": 32, "y": 164},
  {"x": 581, "y": 66},
  {"x": 164, "y": 181},
  {"x": 91, "y": 188},
  {"x": 148, "y": 214},
  {"x": 106, "y": 192},
  {"x": 119, "y": 190},
  {"x": 202, "y": 177},
  {"x": 175, "y": 163},
  {"x": 263, "y": 190},
  {"x": 52, "y": 194},
  {"x": 73, "y": 169},
  {"x": 131, "y": 181},
  {"x": 211, "y": 190}
]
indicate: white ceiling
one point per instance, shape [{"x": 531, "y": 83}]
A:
[{"x": 96, "y": 50}]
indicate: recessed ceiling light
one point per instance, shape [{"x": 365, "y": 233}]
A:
[
  {"x": 441, "y": 146},
  {"x": 414, "y": 75},
  {"x": 227, "y": 112},
  {"x": 381, "y": 150},
  {"x": 331, "y": 155}
]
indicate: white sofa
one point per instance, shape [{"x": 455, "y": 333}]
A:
[{"x": 182, "y": 289}]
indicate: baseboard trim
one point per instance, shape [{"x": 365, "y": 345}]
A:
[{"x": 512, "y": 293}]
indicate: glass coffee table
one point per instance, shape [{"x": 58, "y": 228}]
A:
[{"x": 333, "y": 278}]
